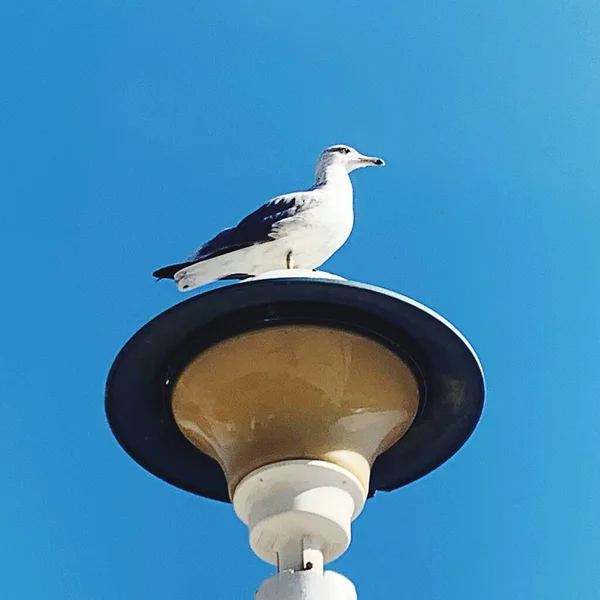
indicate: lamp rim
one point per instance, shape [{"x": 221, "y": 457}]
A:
[{"x": 140, "y": 413}]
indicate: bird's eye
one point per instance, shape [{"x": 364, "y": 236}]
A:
[{"x": 344, "y": 150}]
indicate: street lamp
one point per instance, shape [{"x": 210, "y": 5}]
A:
[{"x": 295, "y": 396}]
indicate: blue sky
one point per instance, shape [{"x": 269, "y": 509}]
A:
[{"x": 132, "y": 131}]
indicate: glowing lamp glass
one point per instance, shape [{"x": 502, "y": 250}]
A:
[{"x": 295, "y": 392}]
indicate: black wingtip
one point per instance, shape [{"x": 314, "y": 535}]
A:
[{"x": 164, "y": 273}]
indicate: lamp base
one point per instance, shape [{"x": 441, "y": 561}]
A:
[
  {"x": 307, "y": 585},
  {"x": 299, "y": 512}
]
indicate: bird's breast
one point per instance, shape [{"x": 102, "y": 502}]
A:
[{"x": 320, "y": 232}]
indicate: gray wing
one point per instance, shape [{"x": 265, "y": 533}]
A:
[{"x": 257, "y": 228}]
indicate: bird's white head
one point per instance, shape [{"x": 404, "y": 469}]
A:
[{"x": 346, "y": 157}]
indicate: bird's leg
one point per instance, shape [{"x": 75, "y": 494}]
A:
[{"x": 289, "y": 260}]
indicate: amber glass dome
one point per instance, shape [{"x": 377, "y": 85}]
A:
[{"x": 295, "y": 391}]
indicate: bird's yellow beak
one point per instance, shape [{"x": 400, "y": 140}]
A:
[{"x": 372, "y": 160}]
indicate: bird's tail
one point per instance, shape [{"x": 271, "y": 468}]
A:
[
  {"x": 219, "y": 268},
  {"x": 169, "y": 271}
]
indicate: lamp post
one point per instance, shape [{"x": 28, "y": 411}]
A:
[{"x": 295, "y": 396}]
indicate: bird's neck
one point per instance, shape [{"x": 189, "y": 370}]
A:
[{"x": 333, "y": 176}]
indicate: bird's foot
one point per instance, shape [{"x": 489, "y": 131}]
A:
[{"x": 289, "y": 260}]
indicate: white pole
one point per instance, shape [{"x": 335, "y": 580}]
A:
[{"x": 307, "y": 585}]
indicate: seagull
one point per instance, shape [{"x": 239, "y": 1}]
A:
[{"x": 299, "y": 230}]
